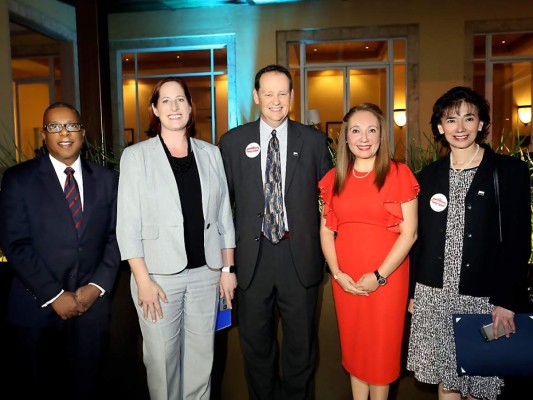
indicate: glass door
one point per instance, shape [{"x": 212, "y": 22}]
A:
[
  {"x": 331, "y": 77},
  {"x": 332, "y": 92}
]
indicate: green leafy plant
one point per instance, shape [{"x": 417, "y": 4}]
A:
[{"x": 423, "y": 152}]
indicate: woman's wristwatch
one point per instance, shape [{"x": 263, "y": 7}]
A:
[
  {"x": 229, "y": 268},
  {"x": 381, "y": 279}
]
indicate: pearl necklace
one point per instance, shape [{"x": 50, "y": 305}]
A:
[
  {"x": 469, "y": 162},
  {"x": 360, "y": 177}
]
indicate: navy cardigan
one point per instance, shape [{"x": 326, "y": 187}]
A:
[{"x": 489, "y": 267}]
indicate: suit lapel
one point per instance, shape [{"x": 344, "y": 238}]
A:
[
  {"x": 162, "y": 166},
  {"x": 51, "y": 184},
  {"x": 202, "y": 163},
  {"x": 90, "y": 185},
  {"x": 254, "y": 163},
  {"x": 484, "y": 172},
  {"x": 294, "y": 148}
]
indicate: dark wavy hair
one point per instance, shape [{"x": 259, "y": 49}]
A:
[
  {"x": 155, "y": 124},
  {"x": 450, "y": 103}
]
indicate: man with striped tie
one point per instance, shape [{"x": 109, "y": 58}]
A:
[{"x": 58, "y": 216}]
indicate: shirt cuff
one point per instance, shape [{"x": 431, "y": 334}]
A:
[
  {"x": 102, "y": 290},
  {"x": 51, "y": 301}
]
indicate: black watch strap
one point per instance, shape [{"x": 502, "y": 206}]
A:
[{"x": 381, "y": 279}]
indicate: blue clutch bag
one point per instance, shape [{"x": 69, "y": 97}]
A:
[{"x": 502, "y": 357}]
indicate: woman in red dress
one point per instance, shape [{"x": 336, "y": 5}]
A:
[{"x": 369, "y": 222}]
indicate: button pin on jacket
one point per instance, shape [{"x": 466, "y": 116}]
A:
[
  {"x": 295, "y": 154},
  {"x": 481, "y": 193}
]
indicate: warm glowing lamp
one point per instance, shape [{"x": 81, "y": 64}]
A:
[
  {"x": 400, "y": 117},
  {"x": 313, "y": 118},
  {"x": 524, "y": 114}
]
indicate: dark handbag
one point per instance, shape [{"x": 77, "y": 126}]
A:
[
  {"x": 530, "y": 266},
  {"x": 502, "y": 357}
]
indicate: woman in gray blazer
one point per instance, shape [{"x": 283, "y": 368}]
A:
[{"x": 175, "y": 228}]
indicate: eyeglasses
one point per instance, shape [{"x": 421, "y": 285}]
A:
[{"x": 70, "y": 127}]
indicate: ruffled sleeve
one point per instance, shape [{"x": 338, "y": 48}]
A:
[
  {"x": 403, "y": 188},
  {"x": 325, "y": 186}
]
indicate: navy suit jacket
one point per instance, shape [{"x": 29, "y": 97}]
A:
[
  {"x": 308, "y": 160},
  {"x": 39, "y": 239}
]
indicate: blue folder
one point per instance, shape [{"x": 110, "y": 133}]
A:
[
  {"x": 223, "y": 315},
  {"x": 503, "y": 357}
]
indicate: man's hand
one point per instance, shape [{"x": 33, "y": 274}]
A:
[
  {"x": 87, "y": 295},
  {"x": 67, "y": 306}
]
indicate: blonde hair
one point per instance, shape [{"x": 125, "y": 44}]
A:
[{"x": 346, "y": 159}]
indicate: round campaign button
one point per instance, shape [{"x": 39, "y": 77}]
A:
[
  {"x": 438, "y": 202},
  {"x": 252, "y": 150}
]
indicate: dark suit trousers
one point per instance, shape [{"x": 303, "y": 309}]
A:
[
  {"x": 275, "y": 288},
  {"x": 64, "y": 362}
]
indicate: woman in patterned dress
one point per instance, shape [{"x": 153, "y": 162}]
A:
[
  {"x": 459, "y": 263},
  {"x": 368, "y": 227}
]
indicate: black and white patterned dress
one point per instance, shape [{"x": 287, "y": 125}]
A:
[{"x": 431, "y": 345}]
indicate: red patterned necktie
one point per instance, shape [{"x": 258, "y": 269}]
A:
[
  {"x": 72, "y": 195},
  {"x": 273, "y": 223}
]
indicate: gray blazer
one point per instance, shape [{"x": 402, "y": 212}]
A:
[{"x": 149, "y": 218}]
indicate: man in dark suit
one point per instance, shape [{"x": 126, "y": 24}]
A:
[
  {"x": 282, "y": 272},
  {"x": 64, "y": 265}
]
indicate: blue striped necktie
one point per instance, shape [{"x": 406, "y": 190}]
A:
[{"x": 72, "y": 195}]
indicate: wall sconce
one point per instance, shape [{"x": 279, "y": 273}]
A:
[
  {"x": 313, "y": 118},
  {"x": 400, "y": 117},
  {"x": 524, "y": 114}
]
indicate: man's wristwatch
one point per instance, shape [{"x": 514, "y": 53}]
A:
[
  {"x": 229, "y": 268},
  {"x": 381, "y": 279}
]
